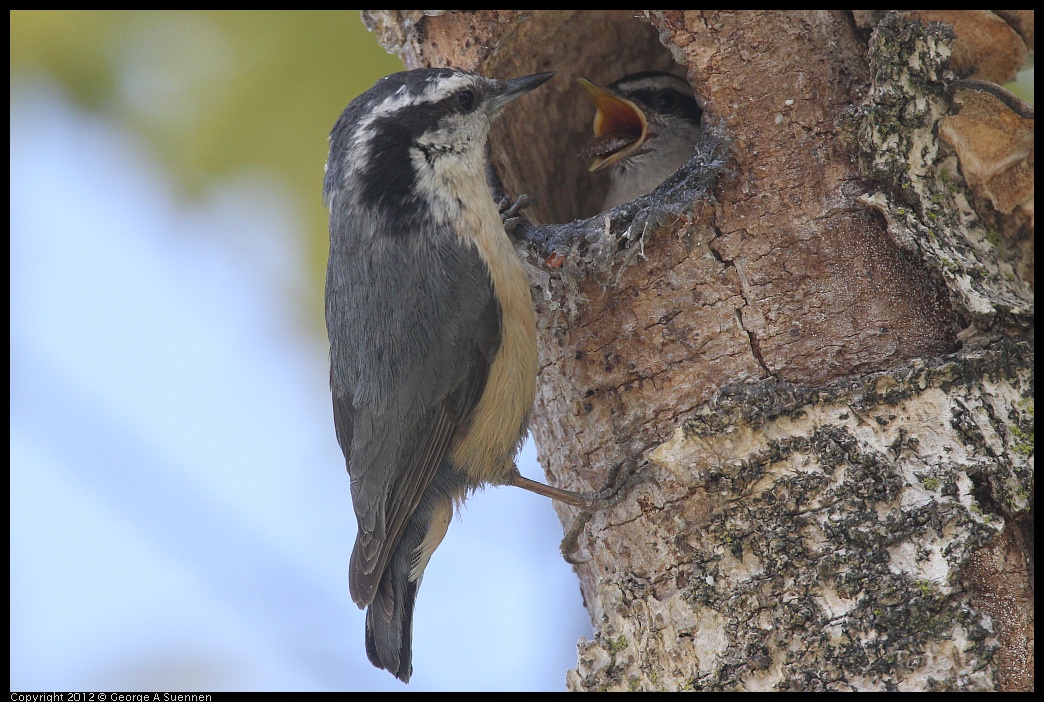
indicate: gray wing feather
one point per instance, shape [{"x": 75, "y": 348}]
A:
[{"x": 409, "y": 361}]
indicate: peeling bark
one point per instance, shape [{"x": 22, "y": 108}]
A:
[{"x": 813, "y": 345}]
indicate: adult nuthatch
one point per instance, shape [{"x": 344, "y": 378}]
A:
[
  {"x": 645, "y": 127},
  {"x": 433, "y": 357}
]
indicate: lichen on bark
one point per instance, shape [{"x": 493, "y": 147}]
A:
[
  {"x": 821, "y": 534},
  {"x": 925, "y": 199}
]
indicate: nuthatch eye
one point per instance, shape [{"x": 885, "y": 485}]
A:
[
  {"x": 646, "y": 126},
  {"x": 433, "y": 357}
]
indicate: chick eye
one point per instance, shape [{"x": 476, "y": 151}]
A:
[
  {"x": 667, "y": 101},
  {"x": 466, "y": 99}
]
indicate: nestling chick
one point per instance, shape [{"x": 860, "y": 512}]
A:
[{"x": 645, "y": 127}]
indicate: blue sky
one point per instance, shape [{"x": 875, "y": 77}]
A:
[{"x": 180, "y": 514}]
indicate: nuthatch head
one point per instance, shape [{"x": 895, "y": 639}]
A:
[
  {"x": 433, "y": 358},
  {"x": 646, "y": 126}
]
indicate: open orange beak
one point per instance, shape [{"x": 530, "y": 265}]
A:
[{"x": 620, "y": 126}]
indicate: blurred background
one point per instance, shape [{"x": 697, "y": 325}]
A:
[{"x": 180, "y": 511}]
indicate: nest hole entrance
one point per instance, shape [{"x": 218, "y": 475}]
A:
[{"x": 536, "y": 144}]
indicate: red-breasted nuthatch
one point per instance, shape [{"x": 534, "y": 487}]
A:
[
  {"x": 646, "y": 126},
  {"x": 433, "y": 357}
]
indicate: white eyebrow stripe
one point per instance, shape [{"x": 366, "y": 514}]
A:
[
  {"x": 445, "y": 87},
  {"x": 364, "y": 132}
]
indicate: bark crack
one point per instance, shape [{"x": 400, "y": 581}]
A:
[{"x": 744, "y": 291}]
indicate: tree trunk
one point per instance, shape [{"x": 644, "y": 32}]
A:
[{"x": 815, "y": 353}]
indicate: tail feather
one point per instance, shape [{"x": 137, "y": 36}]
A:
[
  {"x": 389, "y": 624},
  {"x": 389, "y": 617}
]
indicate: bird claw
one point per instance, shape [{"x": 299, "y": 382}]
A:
[
  {"x": 609, "y": 495},
  {"x": 510, "y": 207},
  {"x": 509, "y": 211}
]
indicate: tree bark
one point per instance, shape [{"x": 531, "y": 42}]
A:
[{"x": 815, "y": 353}]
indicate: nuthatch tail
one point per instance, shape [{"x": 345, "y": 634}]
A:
[
  {"x": 646, "y": 126},
  {"x": 433, "y": 356}
]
